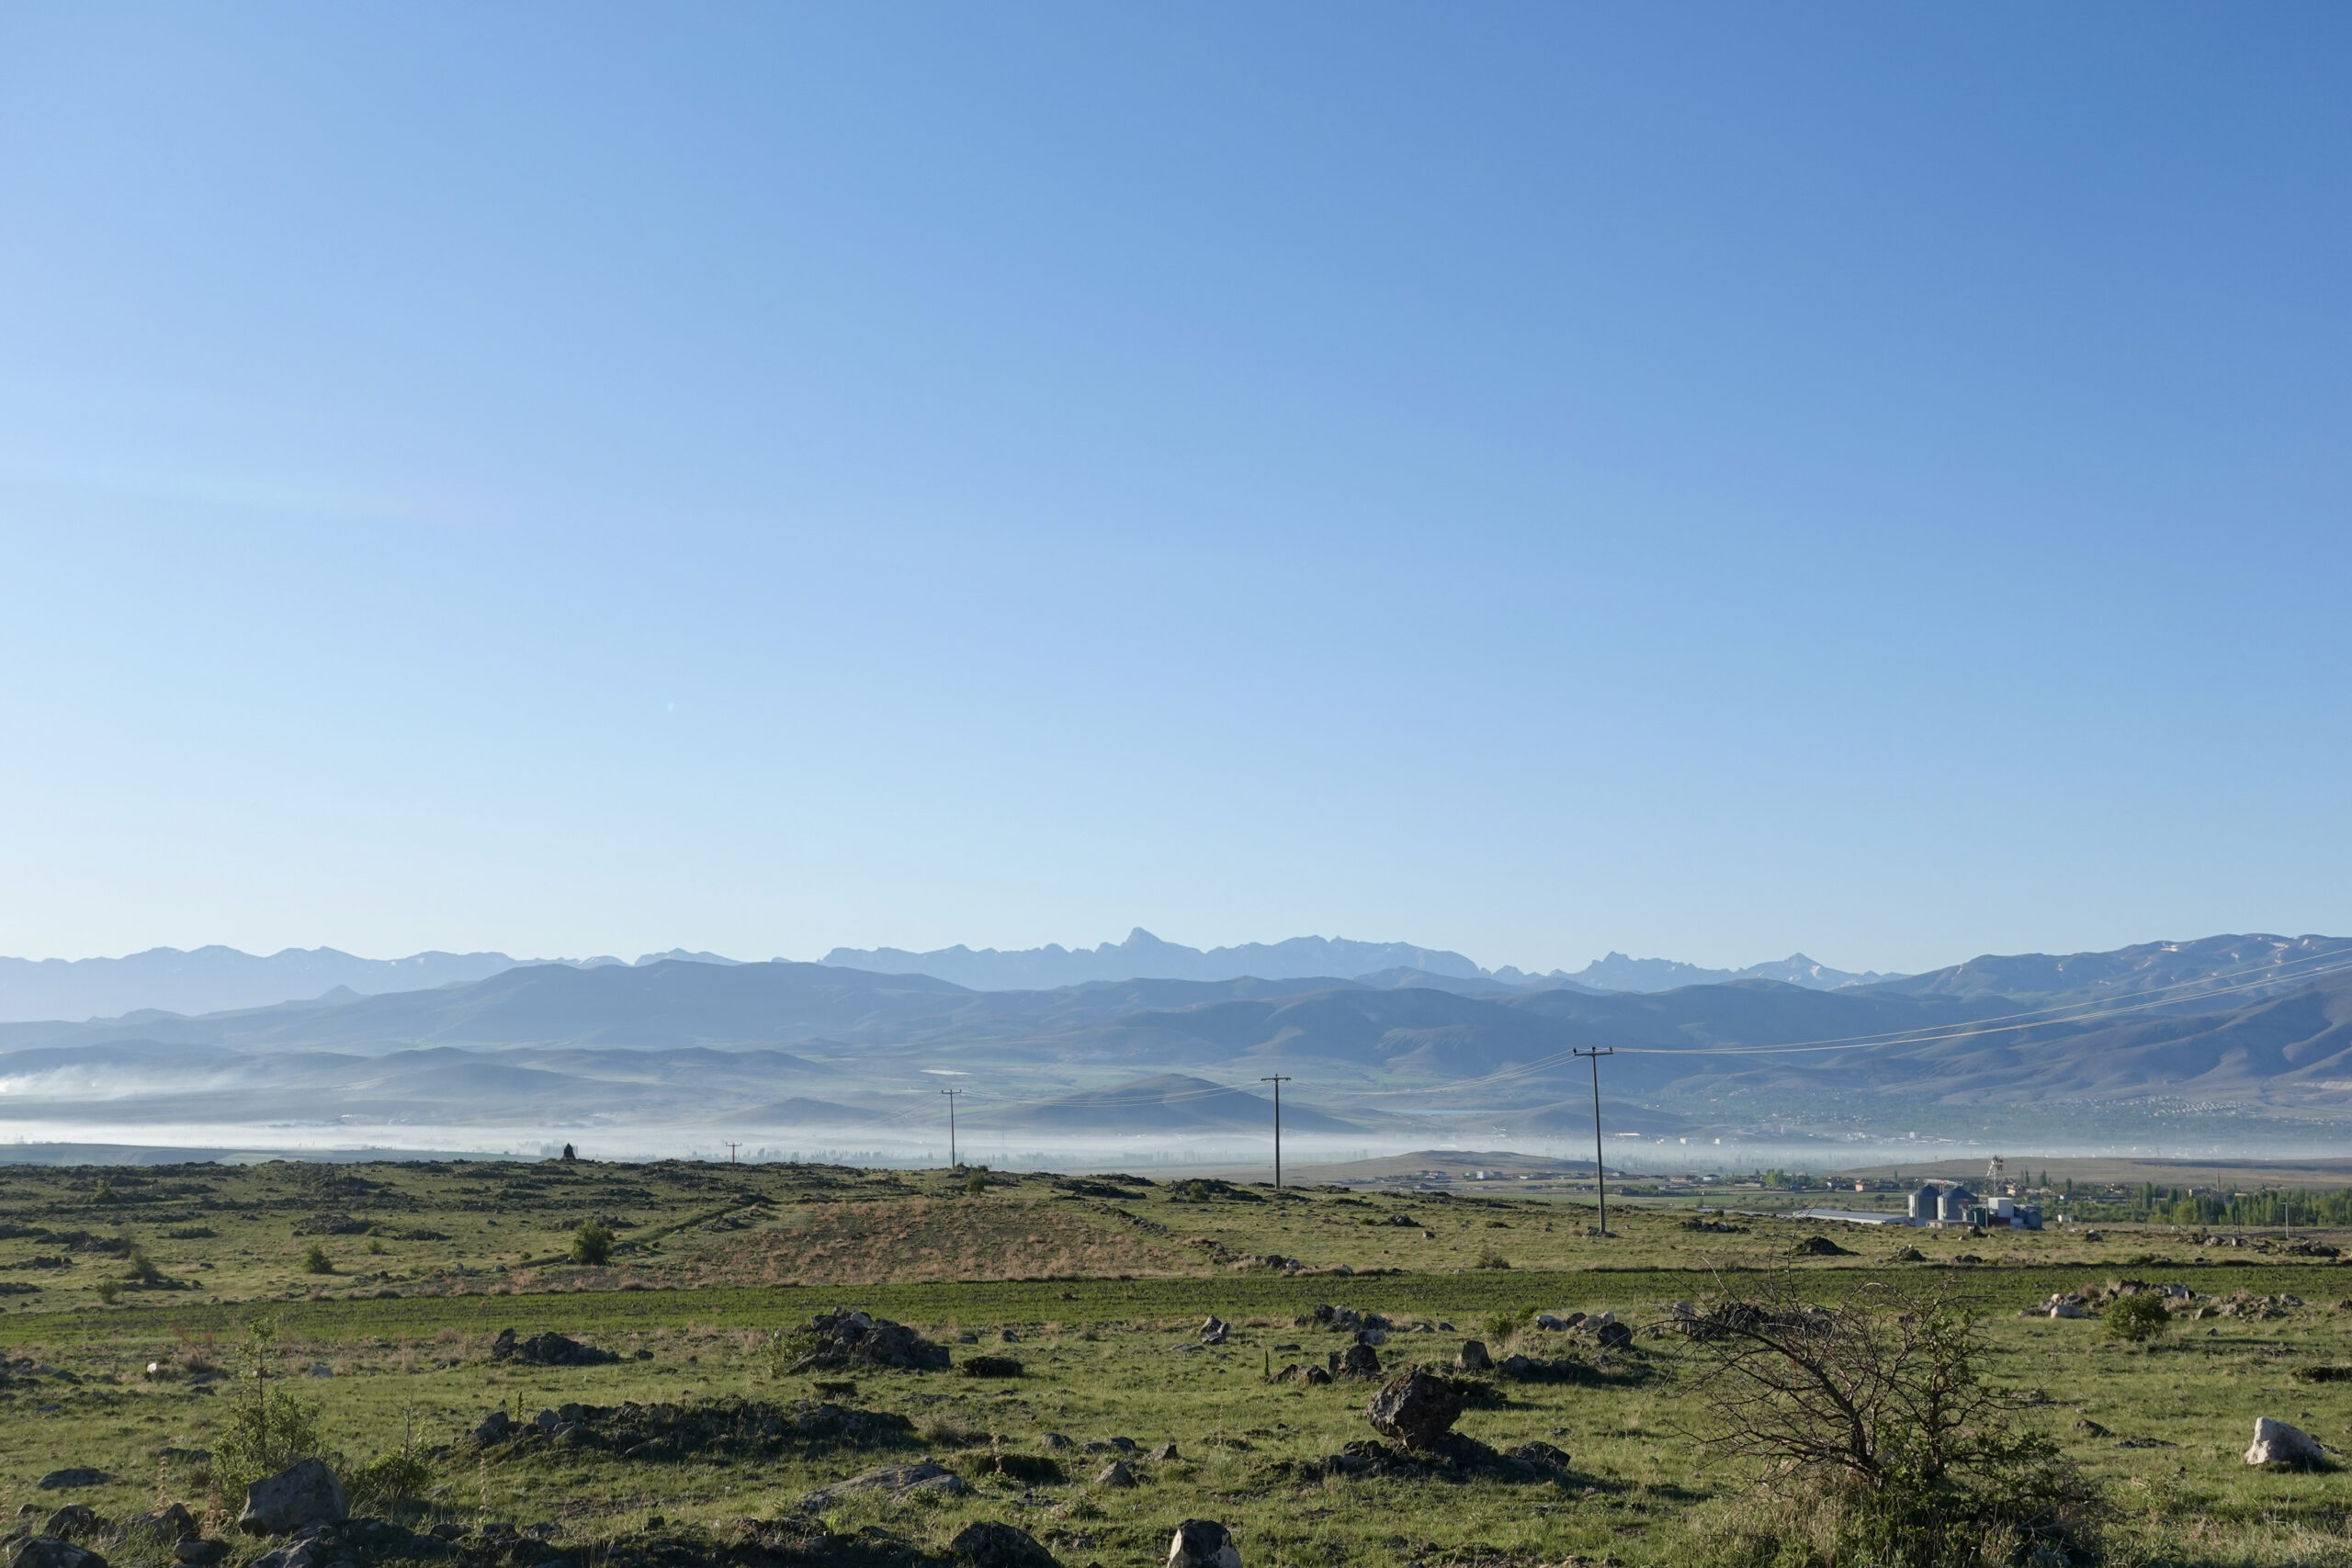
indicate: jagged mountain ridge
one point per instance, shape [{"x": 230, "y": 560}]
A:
[{"x": 1143, "y": 957}]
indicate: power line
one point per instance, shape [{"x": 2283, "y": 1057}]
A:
[{"x": 951, "y": 1094}]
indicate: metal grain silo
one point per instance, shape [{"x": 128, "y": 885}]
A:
[
  {"x": 1923, "y": 1206},
  {"x": 1952, "y": 1206}
]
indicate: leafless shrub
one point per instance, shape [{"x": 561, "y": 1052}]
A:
[{"x": 1875, "y": 1436}]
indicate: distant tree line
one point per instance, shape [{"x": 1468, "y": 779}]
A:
[{"x": 2180, "y": 1206}]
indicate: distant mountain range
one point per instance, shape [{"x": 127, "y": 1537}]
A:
[
  {"x": 2260, "y": 1022},
  {"x": 216, "y": 980},
  {"x": 1146, "y": 956},
  {"x": 1618, "y": 973},
  {"x": 219, "y": 979}
]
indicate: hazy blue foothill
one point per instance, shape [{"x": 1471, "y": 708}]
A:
[{"x": 216, "y": 980}]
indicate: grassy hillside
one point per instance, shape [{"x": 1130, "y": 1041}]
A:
[{"x": 1096, "y": 1286}]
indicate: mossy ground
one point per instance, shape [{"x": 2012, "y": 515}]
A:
[{"x": 713, "y": 1260}]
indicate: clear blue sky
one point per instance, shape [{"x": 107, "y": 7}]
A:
[{"x": 1534, "y": 479}]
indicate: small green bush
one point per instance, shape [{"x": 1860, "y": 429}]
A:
[
  {"x": 2136, "y": 1319},
  {"x": 1491, "y": 1260},
  {"x": 316, "y": 1261},
  {"x": 266, "y": 1426},
  {"x": 975, "y": 1185},
  {"x": 591, "y": 1244}
]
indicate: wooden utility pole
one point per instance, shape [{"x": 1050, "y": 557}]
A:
[
  {"x": 951, "y": 1094},
  {"x": 1600, "y": 1179},
  {"x": 731, "y": 1152},
  {"x": 1277, "y": 1079}
]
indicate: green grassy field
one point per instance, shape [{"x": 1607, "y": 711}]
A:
[{"x": 1102, "y": 1286}]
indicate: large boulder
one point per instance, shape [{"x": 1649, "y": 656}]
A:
[
  {"x": 1116, "y": 1473},
  {"x": 49, "y": 1551},
  {"x": 1473, "y": 1357},
  {"x": 1416, "y": 1410},
  {"x": 1359, "y": 1361},
  {"x": 1615, "y": 1336},
  {"x": 1203, "y": 1544},
  {"x": 986, "y": 1544},
  {"x": 78, "y": 1476},
  {"x": 2275, "y": 1442},
  {"x": 301, "y": 1494}
]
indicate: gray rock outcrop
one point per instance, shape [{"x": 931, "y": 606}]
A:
[{"x": 897, "y": 1479}]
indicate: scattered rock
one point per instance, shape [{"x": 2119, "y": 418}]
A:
[
  {"x": 1359, "y": 1361},
  {"x": 1055, "y": 1440},
  {"x": 1615, "y": 1336},
  {"x": 2093, "y": 1236},
  {"x": 1115, "y": 1474},
  {"x": 1517, "y": 1366},
  {"x": 2090, "y": 1428},
  {"x": 731, "y": 1428},
  {"x": 894, "y": 1480},
  {"x": 1819, "y": 1247},
  {"x": 1454, "y": 1458},
  {"x": 301, "y": 1495},
  {"x": 197, "y": 1552},
  {"x": 1213, "y": 1330},
  {"x": 1416, "y": 1409},
  {"x": 1909, "y": 1254},
  {"x": 986, "y": 1544},
  {"x": 547, "y": 1350},
  {"x": 845, "y": 1338},
  {"x": 989, "y": 1367},
  {"x": 1164, "y": 1452},
  {"x": 2066, "y": 1309},
  {"x": 1539, "y": 1453},
  {"x": 57, "y": 1479},
  {"x": 48, "y": 1552},
  {"x": 1314, "y": 1375},
  {"x": 1473, "y": 1357},
  {"x": 495, "y": 1427},
  {"x": 172, "y": 1522},
  {"x": 1203, "y": 1544},
  {"x": 2275, "y": 1442}
]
